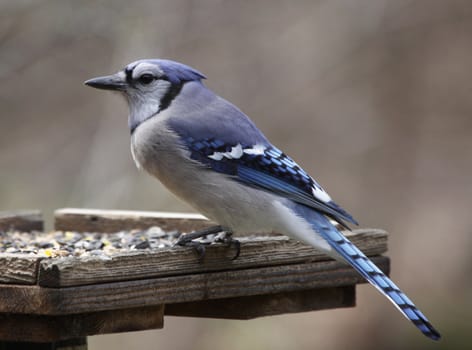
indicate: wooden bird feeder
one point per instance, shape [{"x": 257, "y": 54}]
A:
[{"x": 56, "y": 302}]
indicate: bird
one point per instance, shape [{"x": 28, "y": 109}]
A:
[{"x": 210, "y": 154}]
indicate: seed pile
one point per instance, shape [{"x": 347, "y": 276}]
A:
[{"x": 59, "y": 243}]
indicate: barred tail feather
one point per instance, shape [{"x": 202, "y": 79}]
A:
[{"x": 372, "y": 274}]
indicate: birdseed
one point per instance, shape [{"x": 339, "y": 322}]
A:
[{"x": 68, "y": 243}]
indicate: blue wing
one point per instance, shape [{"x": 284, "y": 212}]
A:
[{"x": 264, "y": 166}]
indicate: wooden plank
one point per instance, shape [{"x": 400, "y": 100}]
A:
[
  {"x": 39, "y": 328},
  {"x": 245, "y": 308},
  {"x": 255, "y": 252},
  {"x": 96, "y": 220},
  {"x": 21, "y": 220},
  {"x": 69, "y": 344},
  {"x": 177, "y": 289},
  {"x": 18, "y": 268}
]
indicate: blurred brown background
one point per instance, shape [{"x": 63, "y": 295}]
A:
[{"x": 374, "y": 98}]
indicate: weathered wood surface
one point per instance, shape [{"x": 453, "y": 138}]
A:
[
  {"x": 69, "y": 344},
  {"x": 255, "y": 252},
  {"x": 245, "y": 308},
  {"x": 96, "y": 220},
  {"x": 177, "y": 289},
  {"x": 21, "y": 220},
  {"x": 45, "y": 299},
  {"x": 39, "y": 328},
  {"x": 19, "y": 268}
]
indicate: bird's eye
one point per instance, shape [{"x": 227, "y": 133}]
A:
[{"x": 146, "y": 79}]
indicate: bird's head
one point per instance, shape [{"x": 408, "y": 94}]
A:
[{"x": 149, "y": 85}]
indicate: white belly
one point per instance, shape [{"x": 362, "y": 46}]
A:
[
  {"x": 227, "y": 202},
  {"x": 222, "y": 200}
]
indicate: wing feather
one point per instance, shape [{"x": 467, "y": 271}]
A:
[{"x": 268, "y": 168}]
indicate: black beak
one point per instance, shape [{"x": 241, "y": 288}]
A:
[{"x": 110, "y": 82}]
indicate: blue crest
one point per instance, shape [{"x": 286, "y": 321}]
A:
[{"x": 175, "y": 72}]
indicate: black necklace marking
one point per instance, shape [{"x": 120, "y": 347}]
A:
[
  {"x": 166, "y": 100},
  {"x": 170, "y": 95}
]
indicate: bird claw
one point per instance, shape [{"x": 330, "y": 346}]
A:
[
  {"x": 225, "y": 237},
  {"x": 200, "y": 249}
]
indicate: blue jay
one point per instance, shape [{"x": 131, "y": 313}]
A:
[{"x": 211, "y": 155}]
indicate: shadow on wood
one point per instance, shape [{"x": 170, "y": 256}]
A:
[
  {"x": 245, "y": 308},
  {"x": 39, "y": 328}
]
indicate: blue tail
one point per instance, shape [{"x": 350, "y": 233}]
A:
[{"x": 369, "y": 271}]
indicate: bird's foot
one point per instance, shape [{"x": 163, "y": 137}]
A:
[
  {"x": 186, "y": 238},
  {"x": 222, "y": 236},
  {"x": 189, "y": 240},
  {"x": 226, "y": 237}
]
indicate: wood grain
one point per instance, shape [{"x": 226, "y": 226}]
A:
[
  {"x": 69, "y": 344},
  {"x": 177, "y": 289},
  {"x": 96, "y": 220},
  {"x": 21, "y": 220},
  {"x": 18, "y": 268},
  {"x": 255, "y": 252},
  {"x": 39, "y": 328},
  {"x": 49, "y": 300},
  {"x": 245, "y": 308}
]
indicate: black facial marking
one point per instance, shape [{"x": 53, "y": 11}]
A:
[
  {"x": 172, "y": 92},
  {"x": 170, "y": 95}
]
